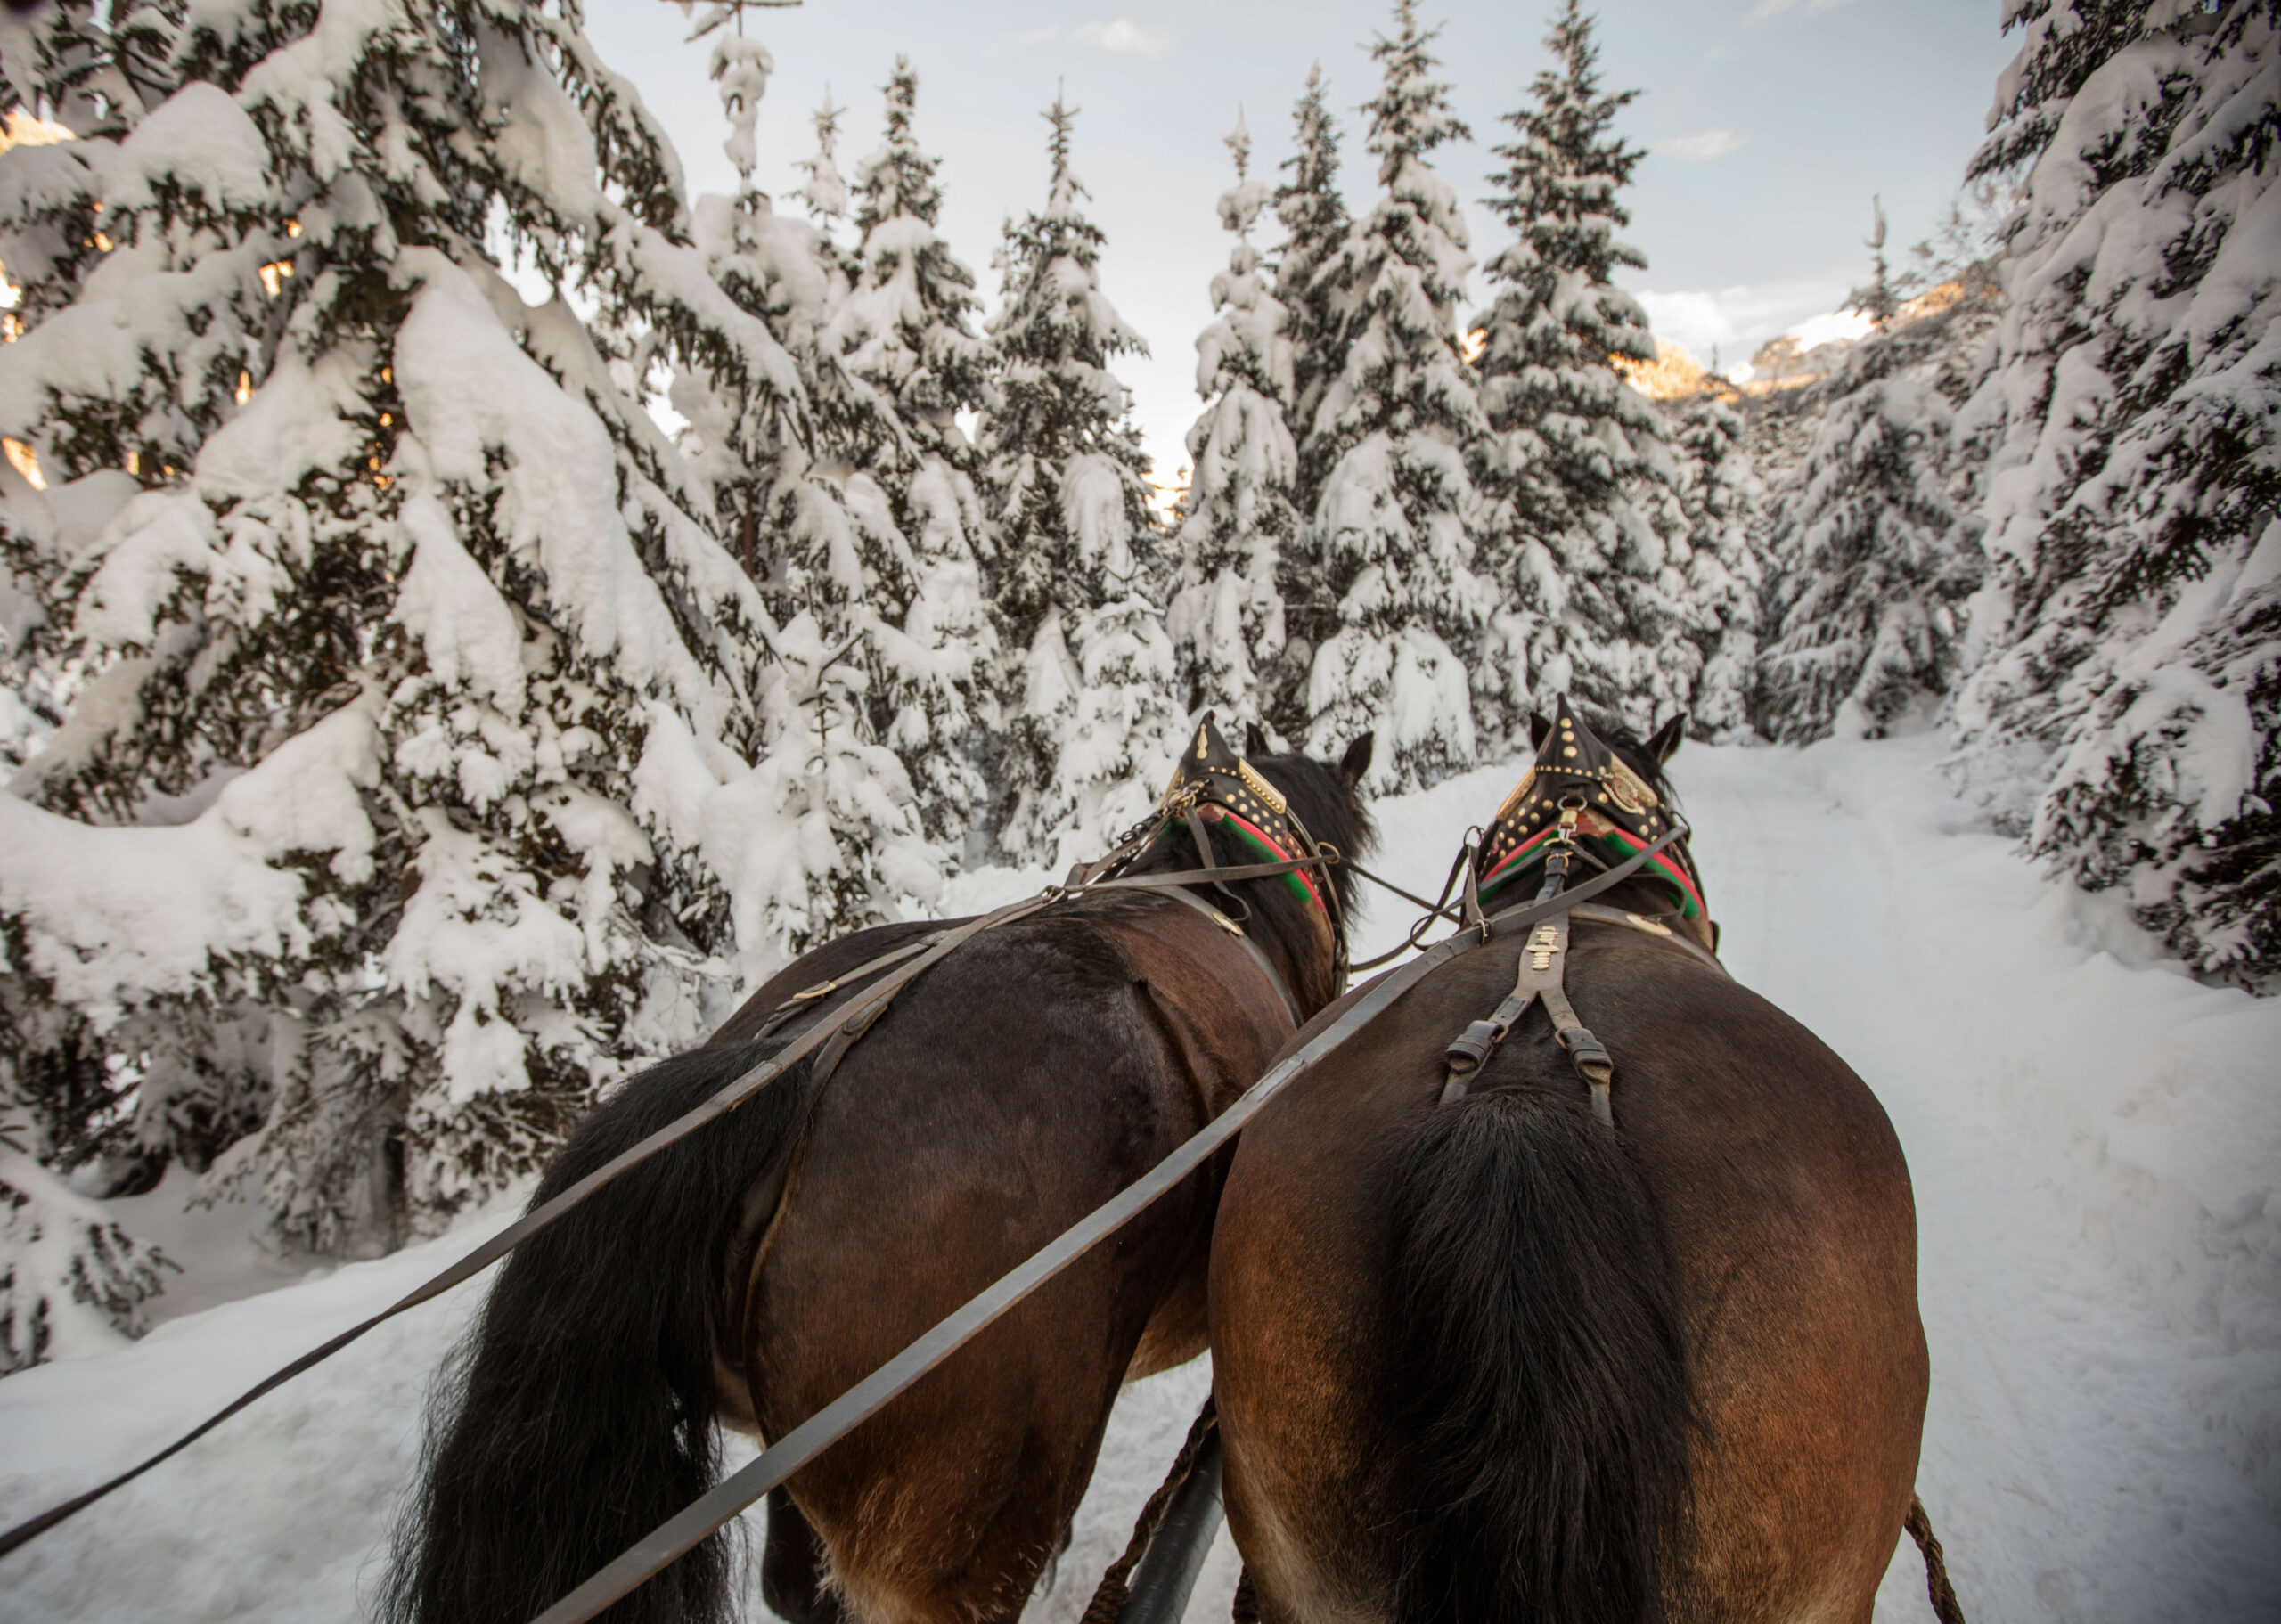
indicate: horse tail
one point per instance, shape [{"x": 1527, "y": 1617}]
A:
[
  {"x": 579, "y": 1412},
  {"x": 1539, "y": 1397}
]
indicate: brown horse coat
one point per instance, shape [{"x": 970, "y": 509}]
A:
[{"x": 1783, "y": 1199}]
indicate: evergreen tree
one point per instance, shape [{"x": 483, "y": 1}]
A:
[
  {"x": 1386, "y": 548},
  {"x": 1315, "y": 224},
  {"x": 1314, "y": 216},
  {"x": 824, "y": 194},
  {"x": 2131, "y": 684},
  {"x": 71, "y": 1280},
  {"x": 1720, "y": 492},
  {"x": 1878, "y": 298},
  {"x": 1875, "y": 563},
  {"x": 1586, "y": 545},
  {"x": 380, "y": 589},
  {"x": 1089, "y": 727},
  {"x": 1226, "y": 620},
  {"x": 906, "y": 331},
  {"x": 824, "y": 824}
]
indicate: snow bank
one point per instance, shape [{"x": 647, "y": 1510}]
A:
[{"x": 2095, "y": 1141}]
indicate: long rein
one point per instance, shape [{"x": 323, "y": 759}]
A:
[
  {"x": 700, "y": 1518},
  {"x": 901, "y": 966}
]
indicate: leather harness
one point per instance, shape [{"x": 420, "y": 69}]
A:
[
  {"x": 1577, "y": 788},
  {"x": 1202, "y": 784}
]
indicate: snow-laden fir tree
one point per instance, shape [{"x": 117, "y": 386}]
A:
[
  {"x": 1312, "y": 213},
  {"x": 824, "y": 194},
  {"x": 384, "y": 606},
  {"x": 1387, "y": 552},
  {"x": 1873, "y": 563},
  {"x": 824, "y": 824},
  {"x": 1089, "y": 725},
  {"x": 2127, "y": 711},
  {"x": 71, "y": 1280},
  {"x": 1226, "y": 619},
  {"x": 907, "y": 330},
  {"x": 1719, "y": 493},
  {"x": 1585, "y": 546}
]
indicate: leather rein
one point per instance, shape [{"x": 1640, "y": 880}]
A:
[
  {"x": 834, "y": 1037},
  {"x": 880, "y": 980}
]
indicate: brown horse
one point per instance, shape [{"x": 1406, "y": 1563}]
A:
[
  {"x": 764, "y": 1265},
  {"x": 1491, "y": 1360}
]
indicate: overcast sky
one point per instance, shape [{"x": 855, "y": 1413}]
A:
[{"x": 1771, "y": 122}]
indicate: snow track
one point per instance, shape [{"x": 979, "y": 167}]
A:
[{"x": 2095, "y": 1141}]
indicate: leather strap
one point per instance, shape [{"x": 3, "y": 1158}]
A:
[
  {"x": 1539, "y": 976},
  {"x": 697, "y": 1522},
  {"x": 906, "y": 964},
  {"x": 1243, "y": 938}
]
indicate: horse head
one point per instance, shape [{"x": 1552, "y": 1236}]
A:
[
  {"x": 1610, "y": 789},
  {"x": 1253, "y": 806}
]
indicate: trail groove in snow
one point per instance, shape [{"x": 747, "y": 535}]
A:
[{"x": 2093, "y": 1137}]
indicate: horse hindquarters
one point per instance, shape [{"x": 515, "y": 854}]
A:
[
  {"x": 1449, "y": 1349},
  {"x": 579, "y": 1414}
]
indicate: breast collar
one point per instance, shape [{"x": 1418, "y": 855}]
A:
[{"x": 1617, "y": 810}]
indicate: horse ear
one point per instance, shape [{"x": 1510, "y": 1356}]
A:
[
  {"x": 1668, "y": 738},
  {"x": 1356, "y": 762},
  {"x": 1539, "y": 729},
  {"x": 1255, "y": 741}
]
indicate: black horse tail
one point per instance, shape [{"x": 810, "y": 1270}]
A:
[
  {"x": 1539, "y": 1395},
  {"x": 578, "y": 1414}
]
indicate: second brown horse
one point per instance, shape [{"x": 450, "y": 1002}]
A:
[
  {"x": 1487, "y": 1360},
  {"x": 757, "y": 1269}
]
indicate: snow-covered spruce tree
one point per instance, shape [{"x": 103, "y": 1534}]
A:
[
  {"x": 381, "y": 594},
  {"x": 1720, "y": 492},
  {"x": 1387, "y": 551},
  {"x": 71, "y": 1280},
  {"x": 823, "y": 827},
  {"x": 907, "y": 331},
  {"x": 1312, "y": 213},
  {"x": 1226, "y": 619},
  {"x": 1090, "y": 727},
  {"x": 1585, "y": 546},
  {"x": 2126, "y": 710},
  {"x": 1873, "y": 563},
  {"x": 824, "y": 194}
]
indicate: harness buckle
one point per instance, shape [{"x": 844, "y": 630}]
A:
[{"x": 1468, "y": 1051}]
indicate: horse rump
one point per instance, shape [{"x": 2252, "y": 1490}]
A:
[
  {"x": 1539, "y": 1394},
  {"x": 578, "y": 1413}
]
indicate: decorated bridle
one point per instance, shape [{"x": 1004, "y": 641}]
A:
[
  {"x": 1212, "y": 783},
  {"x": 1579, "y": 796}
]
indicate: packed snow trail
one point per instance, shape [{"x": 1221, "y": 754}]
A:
[{"x": 2093, "y": 1140}]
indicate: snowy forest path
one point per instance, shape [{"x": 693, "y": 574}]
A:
[
  {"x": 2093, "y": 1140},
  {"x": 2069, "y": 1245}
]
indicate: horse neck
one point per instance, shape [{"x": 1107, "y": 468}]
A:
[{"x": 1297, "y": 940}]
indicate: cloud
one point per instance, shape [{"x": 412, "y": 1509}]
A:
[
  {"x": 1700, "y": 147},
  {"x": 1736, "y": 321},
  {"x": 1775, "y": 8},
  {"x": 1123, "y": 35}
]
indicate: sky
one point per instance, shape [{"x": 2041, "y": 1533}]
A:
[{"x": 1770, "y": 124}]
